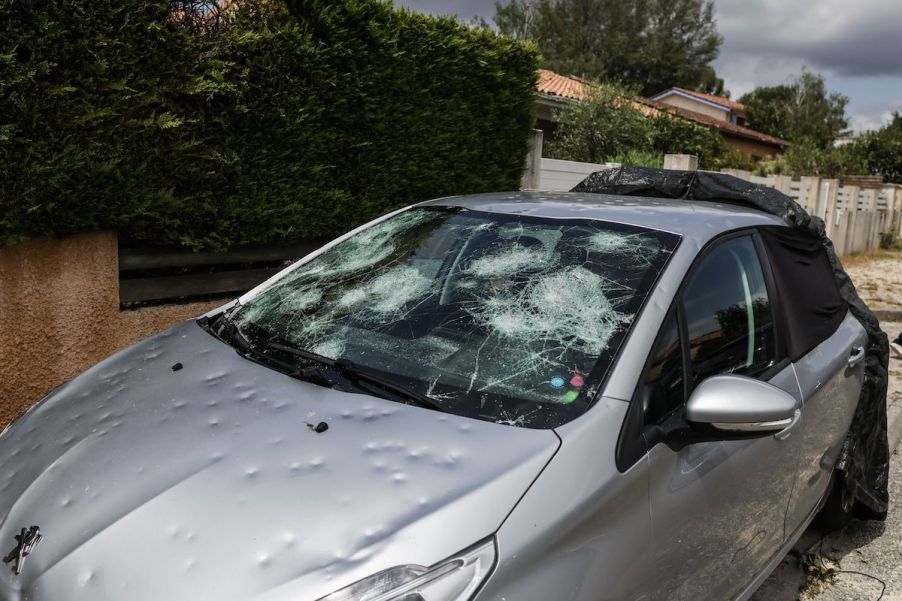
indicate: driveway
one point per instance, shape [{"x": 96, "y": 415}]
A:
[{"x": 859, "y": 561}]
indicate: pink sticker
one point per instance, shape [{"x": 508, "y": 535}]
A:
[{"x": 577, "y": 381}]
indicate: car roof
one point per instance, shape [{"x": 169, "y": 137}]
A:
[{"x": 699, "y": 220}]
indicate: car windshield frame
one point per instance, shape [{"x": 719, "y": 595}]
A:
[{"x": 581, "y": 388}]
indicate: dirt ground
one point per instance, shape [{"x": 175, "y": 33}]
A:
[{"x": 863, "y": 561}]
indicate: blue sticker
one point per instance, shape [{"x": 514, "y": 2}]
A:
[{"x": 557, "y": 382}]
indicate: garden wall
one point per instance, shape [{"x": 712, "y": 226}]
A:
[{"x": 59, "y": 314}]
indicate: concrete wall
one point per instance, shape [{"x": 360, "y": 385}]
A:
[
  {"x": 59, "y": 314},
  {"x": 561, "y": 176}
]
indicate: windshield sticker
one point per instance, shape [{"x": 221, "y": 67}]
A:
[{"x": 571, "y": 396}]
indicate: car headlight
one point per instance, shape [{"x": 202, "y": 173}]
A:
[{"x": 455, "y": 579}]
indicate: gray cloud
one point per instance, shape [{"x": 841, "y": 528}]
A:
[
  {"x": 838, "y": 36},
  {"x": 767, "y": 42},
  {"x": 842, "y": 38},
  {"x": 465, "y": 9}
]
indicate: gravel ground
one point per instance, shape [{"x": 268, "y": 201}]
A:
[
  {"x": 855, "y": 563},
  {"x": 877, "y": 277},
  {"x": 868, "y": 555},
  {"x": 862, "y": 561}
]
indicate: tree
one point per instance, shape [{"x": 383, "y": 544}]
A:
[
  {"x": 600, "y": 128},
  {"x": 610, "y": 126},
  {"x": 881, "y": 150},
  {"x": 803, "y": 111},
  {"x": 801, "y": 160},
  {"x": 649, "y": 44}
]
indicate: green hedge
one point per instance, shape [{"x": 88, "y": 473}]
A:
[{"x": 281, "y": 123}]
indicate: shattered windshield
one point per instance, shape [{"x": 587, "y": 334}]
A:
[{"x": 506, "y": 318}]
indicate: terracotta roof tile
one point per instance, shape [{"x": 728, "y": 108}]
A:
[
  {"x": 726, "y": 126},
  {"x": 565, "y": 86},
  {"x": 575, "y": 88}
]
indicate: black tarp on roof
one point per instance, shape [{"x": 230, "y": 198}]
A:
[{"x": 865, "y": 455}]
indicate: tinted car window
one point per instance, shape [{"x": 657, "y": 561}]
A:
[
  {"x": 508, "y": 318},
  {"x": 662, "y": 388},
  {"x": 728, "y": 313}
]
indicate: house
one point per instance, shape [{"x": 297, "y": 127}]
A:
[
  {"x": 843, "y": 140},
  {"x": 716, "y": 107},
  {"x": 554, "y": 91}
]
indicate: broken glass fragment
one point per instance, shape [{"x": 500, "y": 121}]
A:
[{"x": 508, "y": 318}]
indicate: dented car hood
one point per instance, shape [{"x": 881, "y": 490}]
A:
[{"x": 205, "y": 482}]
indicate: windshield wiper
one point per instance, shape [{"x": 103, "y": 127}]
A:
[
  {"x": 222, "y": 327},
  {"x": 359, "y": 375}
]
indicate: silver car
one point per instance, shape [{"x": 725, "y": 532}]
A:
[{"x": 530, "y": 397}]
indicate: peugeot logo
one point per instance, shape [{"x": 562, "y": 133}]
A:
[{"x": 26, "y": 542}]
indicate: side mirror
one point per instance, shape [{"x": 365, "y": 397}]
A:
[{"x": 742, "y": 407}]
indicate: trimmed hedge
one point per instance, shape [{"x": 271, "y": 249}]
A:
[{"x": 281, "y": 123}]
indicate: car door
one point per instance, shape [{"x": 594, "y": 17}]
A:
[
  {"x": 828, "y": 347},
  {"x": 830, "y": 377},
  {"x": 718, "y": 507}
]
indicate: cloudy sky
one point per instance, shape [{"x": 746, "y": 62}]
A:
[{"x": 856, "y": 44}]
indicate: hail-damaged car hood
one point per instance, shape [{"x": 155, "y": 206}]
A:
[{"x": 150, "y": 483}]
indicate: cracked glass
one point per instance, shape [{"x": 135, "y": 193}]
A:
[{"x": 508, "y": 318}]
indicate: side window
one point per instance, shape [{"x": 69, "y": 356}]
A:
[
  {"x": 662, "y": 388},
  {"x": 728, "y": 314}
]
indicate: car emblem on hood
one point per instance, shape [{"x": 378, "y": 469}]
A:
[{"x": 26, "y": 542}]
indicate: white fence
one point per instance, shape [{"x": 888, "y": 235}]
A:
[
  {"x": 563, "y": 175},
  {"x": 855, "y": 217}
]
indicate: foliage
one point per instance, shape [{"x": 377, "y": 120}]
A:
[
  {"x": 600, "y": 127},
  {"x": 805, "y": 160},
  {"x": 890, "y": 241},
  {"x": 276, "y": 122},
  {"x": 639, "y": 158},
  {"x": 820, "y": 573},
  {"x": 734, "y": 159},
  {"x": 611, "y": 127},
  {"x": 802, "y": 112},
  {"x": 881, "y": 151},
  {"x": 649, "y": 44},
  {"x": 675, "y": 135}
]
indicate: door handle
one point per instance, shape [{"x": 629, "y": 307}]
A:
[
  {"x": 788, "y": 430},
  {"x": 856, "y": 356}
]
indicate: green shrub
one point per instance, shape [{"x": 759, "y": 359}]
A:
[
  {"x": 639, "y": 158},
  {"x": 609, "y": 127},
  {"x": 804, "y": 160},
  {"x": 600, "y": 128},
  {"x": 734, "y": 159},
  {"x": 280, "y": 123},
  {"x": 881, "y": 151},
  {"x": 890, "y": 241},
  {"x": 675, "y": 135}
]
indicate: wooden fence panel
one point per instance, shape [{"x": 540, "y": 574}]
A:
[{"x": 854, "y": 216}]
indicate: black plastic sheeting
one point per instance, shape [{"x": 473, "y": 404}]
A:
[
  {"x": 811, "y": 307},
  {"x": 865, "y": 455}
]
